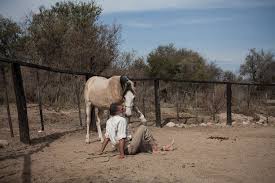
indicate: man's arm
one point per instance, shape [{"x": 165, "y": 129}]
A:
[
  {"x": 104, "y": 144},
  {"x": 121, "y": 148}
]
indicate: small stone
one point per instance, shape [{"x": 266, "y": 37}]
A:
[
  {"x": 3, "y": 143},
  {"x": 170, "y": 124},
  {"x": 221, "y": 124},
  {"x": 209, "y": 124},
  {"x": 184, "y": 126},
  {"x": 245, "y": 122},
  {"x": 180, "y": 125},
  {"x": 203, "y": 124}
]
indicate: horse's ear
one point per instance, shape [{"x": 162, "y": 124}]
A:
[{"x": 135, "y": 83}]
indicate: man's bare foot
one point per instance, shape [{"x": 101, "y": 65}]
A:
[
  {"x": 168, "y": 147},
  {"x": 121, "y": 157},
  {"x": 158, "y": 152}
]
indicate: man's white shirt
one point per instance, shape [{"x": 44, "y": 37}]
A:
[{"x": 116, "y": 129}]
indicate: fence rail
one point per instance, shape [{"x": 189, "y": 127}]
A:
[
  {"x": 46, "y": 68},
  {"x": 21, "y": 101}
]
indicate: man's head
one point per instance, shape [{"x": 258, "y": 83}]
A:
[{"x": 116, "y": 108}]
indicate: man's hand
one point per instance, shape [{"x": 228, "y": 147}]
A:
[
  {"x": 99, "y": 153},
  {"x": 104, "y": 144}
]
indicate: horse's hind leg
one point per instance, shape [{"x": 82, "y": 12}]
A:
[
  {"x": 88, "y": 116},
  {"x": 99, "y": 115}
]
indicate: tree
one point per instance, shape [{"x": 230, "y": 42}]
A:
[
  {"x": 70, "y": 35},
  {"x": 169, "y": 62},
  {"x": 229, "y": 76},
  {"x": 258, "y": 66},
  {"x": 214, "y": 72},
  {"x": 130, "y": 64},
  {"x": 10, "y": 34}
]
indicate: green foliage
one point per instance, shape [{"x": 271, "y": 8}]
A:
[
  {"x": 9, "y": 37},
  {"x": 229, "y": 76},
  {"x": 70, "y": 35},
  {"x": 214, "y": 72},
  {"x": 130, "y": 64},
  {"x": 258, "y": 66},
  {"x": 170, "y": 62}
]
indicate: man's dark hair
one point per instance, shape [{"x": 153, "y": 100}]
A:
[{"x": 113, "y": 108}]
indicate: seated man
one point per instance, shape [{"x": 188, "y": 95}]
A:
[{"x": 117, "y": 133}]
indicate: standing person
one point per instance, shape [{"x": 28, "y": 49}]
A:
[{"x": 117, "y": 133}]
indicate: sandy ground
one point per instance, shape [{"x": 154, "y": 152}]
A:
[{"x": 60, "y": 154}]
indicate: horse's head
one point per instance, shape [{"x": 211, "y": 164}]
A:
[{"x": 129, "y": 94}]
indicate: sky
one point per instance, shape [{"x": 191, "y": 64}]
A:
[{"x": 222, "y": 31}]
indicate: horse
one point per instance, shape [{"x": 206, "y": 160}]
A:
[{"x": 101, "y": 92}]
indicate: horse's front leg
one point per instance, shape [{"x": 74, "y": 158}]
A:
[
  {"x": 141, "y": 116},
  {"x": 99, "y": 116}
]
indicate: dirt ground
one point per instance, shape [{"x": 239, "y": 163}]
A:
[{"x": 202, "y": 154}]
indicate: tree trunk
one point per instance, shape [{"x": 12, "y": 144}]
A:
[{"x": 58, "y": 93}]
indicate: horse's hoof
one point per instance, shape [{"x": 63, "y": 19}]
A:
[
  {"x": 100, "y": 139},
  {"x": 88, "y": 141},
  {"x": 142, "y": 119}
]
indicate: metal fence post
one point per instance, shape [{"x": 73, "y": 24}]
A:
[
  {"x": 157, "y": 103},
  {"x": 21, "y": 104},
  {"x": 229, "y": 103},
  {"x": 143, "y": 99}
]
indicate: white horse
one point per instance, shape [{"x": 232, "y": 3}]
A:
[{"x": 100, "y": 93}]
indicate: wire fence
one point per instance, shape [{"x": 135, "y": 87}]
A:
[{"x": 161, "y": 99}]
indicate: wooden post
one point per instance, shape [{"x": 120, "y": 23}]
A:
[
  {"x": 196, "y": 105},
  {"x": 177, "y": 103},
  {"x": 7, "y": 101},
  {"x": 229, "y": 103},
  {"x": 143, "y": 99},
  {"x": 157, "y": 103},
  {"x": 248, "y": 97},
  {"x": 214, "y": 103},
  {"x": 39, "y": 100},
  {"x": 21, "y": 104},
  {"x": 93, "y": 120}
]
